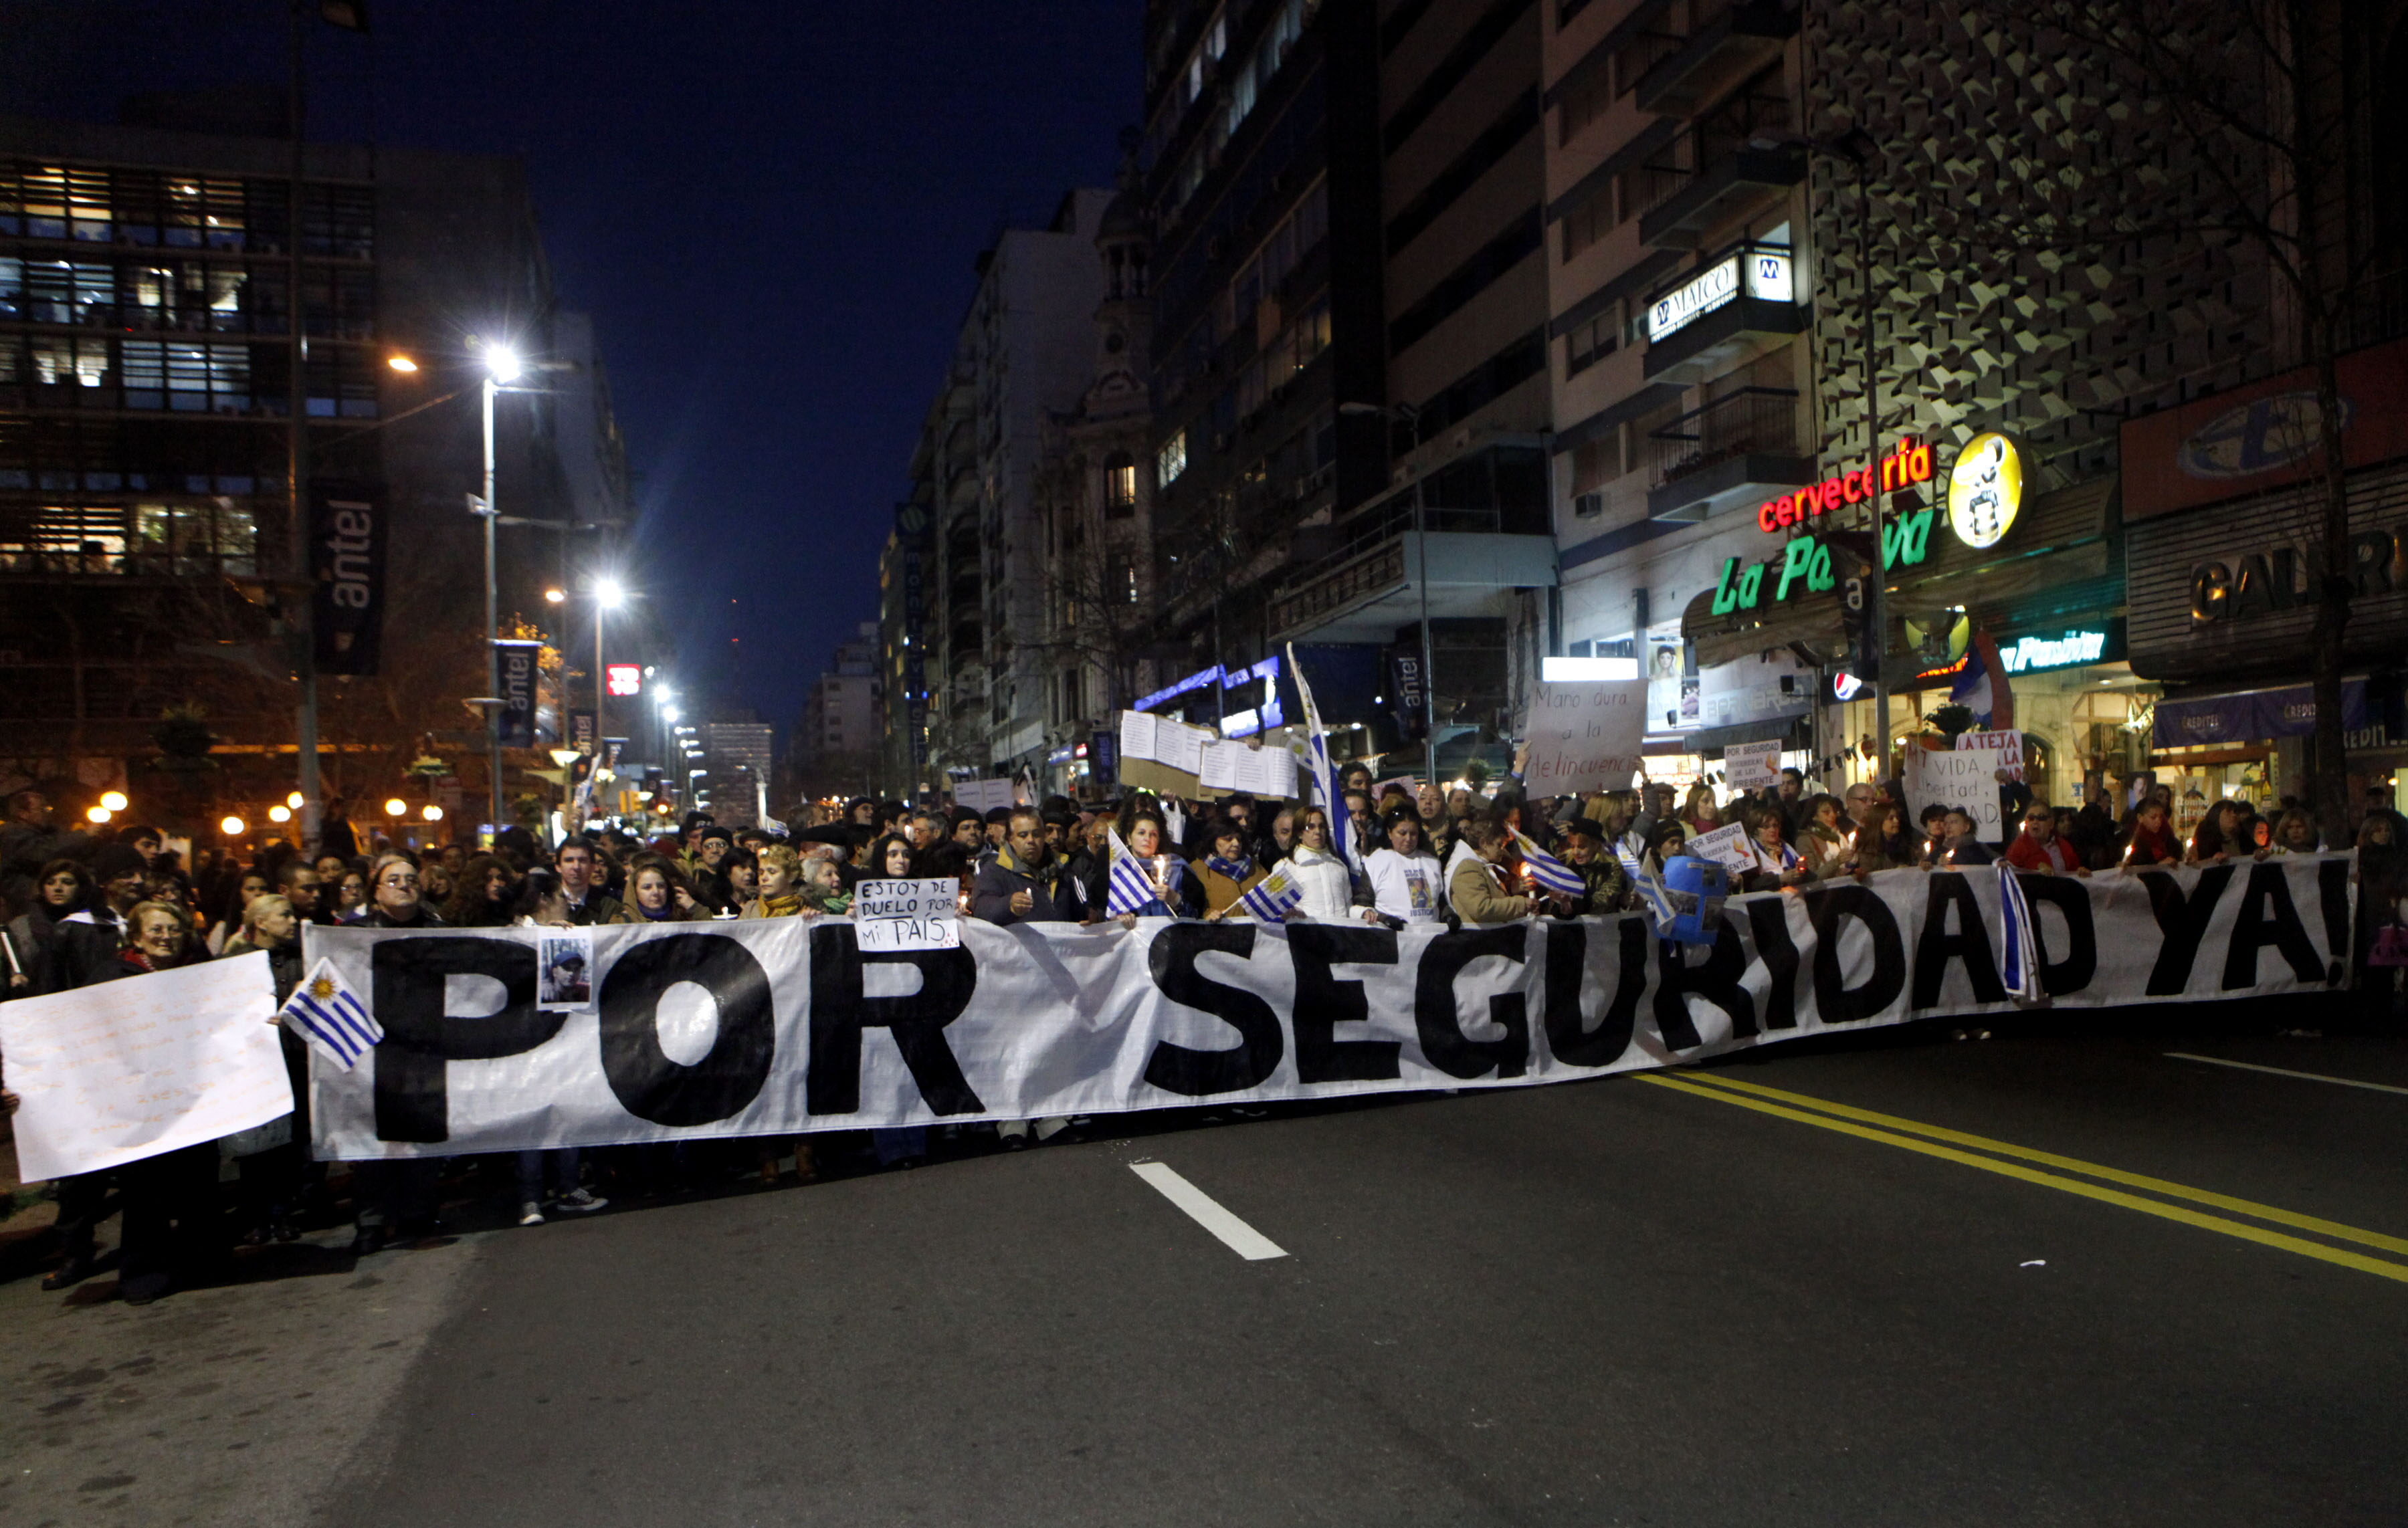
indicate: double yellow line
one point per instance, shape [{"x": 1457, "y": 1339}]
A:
[{"x": 2007, "y": 1160}]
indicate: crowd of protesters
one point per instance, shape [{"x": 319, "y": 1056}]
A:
[{"x": 82, "y": 909}]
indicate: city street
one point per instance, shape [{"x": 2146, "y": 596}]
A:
[{"x": 2129, "y": 1288}]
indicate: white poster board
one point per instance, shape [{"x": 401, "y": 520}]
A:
[
  {"x": 1267, "y": 771},
  {"x": 1138, "y": 734},
  {"x": 1726, "y": 846},
  {"x": 891, "y": 915},
  {"x": 982, "y": 796},
  {"x": 1584, "y": 734},
  {"x": 1751, "y": 766},
  {"x": 1967, "y": 777},
  {"x": 143, "y": 1065},
  {"x": 2009, "y": 744}
]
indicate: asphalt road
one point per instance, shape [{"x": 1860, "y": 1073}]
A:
[{"x": 1616, "y": 1302}]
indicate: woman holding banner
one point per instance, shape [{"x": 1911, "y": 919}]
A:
[{"x": 1404, "y": 876}]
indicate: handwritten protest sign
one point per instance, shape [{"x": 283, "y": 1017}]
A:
[
  {"x": 131, "y": 1068},
  {"x": 2009, "y": 744},
  {"x": 1726, "y": 846},
  {"x": 890, "y": 915},
  {"x": 1966, "y": 778},
  {"x": 1751, "y": 766},
  {"x": 1584, "y": 735}
]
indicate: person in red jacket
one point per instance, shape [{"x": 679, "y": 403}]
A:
[{"x": 2040, "y": 847}]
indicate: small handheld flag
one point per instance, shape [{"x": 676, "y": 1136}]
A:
[
  {"x": 1125, "y": 886},
  {"x": 1272, "y": 897},
  {"x": 330, "y": 1017},
  {"x": 1549, "y": 871},
  {"x": 1651, "y": 890}
]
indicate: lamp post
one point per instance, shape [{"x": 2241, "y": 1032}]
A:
[
  {"x": 501, "y": 367},
  {"x": 1410, "y": 415}
]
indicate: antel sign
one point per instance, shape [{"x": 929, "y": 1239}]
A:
[
  {"x": 1909, "y": 465},
  {"x": 1764, "y": 274}
]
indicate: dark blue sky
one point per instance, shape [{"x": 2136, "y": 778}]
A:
[{"x": 771, "y": 210}]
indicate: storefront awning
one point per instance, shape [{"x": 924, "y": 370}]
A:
[{"x": 2251, "y": 716}]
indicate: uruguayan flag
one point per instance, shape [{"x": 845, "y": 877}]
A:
[
  {"x": 1651, "y": 891},
  {"x": 2018, "y": 950},
  {"x": 330, "y": 1016},
  {"x": 1548, "y": 871},
  {"x": 1324, "y": 771},
  {"x": 1127, "y": 887},
  {"x": 1272, "y": 897}
]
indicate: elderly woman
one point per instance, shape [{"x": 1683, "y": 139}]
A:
[
  {"x": 1481, "y": 886},
  {"x": 1226, "y": 871},
  {"x": 169, "y": 1200}
]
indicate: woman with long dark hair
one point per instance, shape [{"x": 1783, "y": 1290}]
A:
[{"x": 62, "y": 889}]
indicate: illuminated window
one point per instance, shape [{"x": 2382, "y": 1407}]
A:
[
  {"x": 1120, "y": 485},
  {"x": 1170, "y": 461}
]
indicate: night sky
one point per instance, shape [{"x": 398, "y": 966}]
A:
[{"x": 771, "y": 210}]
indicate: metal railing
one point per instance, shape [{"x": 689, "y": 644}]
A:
[{"x": 1751, "y": 419}]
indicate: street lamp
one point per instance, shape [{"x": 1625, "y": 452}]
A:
[
  {"x": 502, "y": 367},
  {"x": 1413, "y": 416},
  {"x": 113, "y": 800}
]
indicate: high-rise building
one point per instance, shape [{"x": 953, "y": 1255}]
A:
[
  {"x": 1022, "y": 354},
  {"x": 145, "y": 528},
  {"x": 739, "y": 758},
  {"x": 836, "y": 748}
]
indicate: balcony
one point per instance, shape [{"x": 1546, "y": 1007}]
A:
[
  {"x": 1724, "y": 50},
  {"x": 1483, "y": 527},
  {"x": 1720, "y": 194},
  {"x": 1733, "y": 453}
]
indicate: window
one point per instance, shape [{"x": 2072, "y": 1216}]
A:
[
  {"x": 1120, "y": 486},
  {"x": 1593, "y": 341},
  {"x": 196, "y": 379},
  {"x": 1128, "y": 575},
  {"x": 1169, "y": 461},
  {"x": 1596, "y": 463},
  {"x": 1586, "y": 97},
  {"x": 61, "y": 360}
]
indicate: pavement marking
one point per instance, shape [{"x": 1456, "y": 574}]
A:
[
  {"x": 2074, "y": 1164},
  {"x": 1205, "y": 1212},
  {"x": 2284, "y": 1071},
  {"x": 2394, "y": 1271}
]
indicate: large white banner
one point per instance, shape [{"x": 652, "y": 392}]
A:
[
  {"x": 144, "y": 1065},
  {"x": 775, "y": 1026}
]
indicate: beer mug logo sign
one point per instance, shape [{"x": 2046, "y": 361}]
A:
[{"x": 1985, "y": 488}]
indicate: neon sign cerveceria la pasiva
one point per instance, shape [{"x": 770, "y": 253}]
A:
[{"x": 1805, "y": 564}]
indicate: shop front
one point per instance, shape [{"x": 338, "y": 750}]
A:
[{"x": 2222, "y": 519}]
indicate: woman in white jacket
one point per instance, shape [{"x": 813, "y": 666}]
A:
[
  {"x": 1407, "y": 883},
  {"x": 1327, "y": 885}
]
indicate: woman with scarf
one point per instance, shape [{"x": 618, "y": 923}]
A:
[
  {"x": 1481, "y": 881},
  {"x": 1226, "y": 871},
  {"x": 63, "y": 889},
  {"x": 1700, "y": 813},
  {"x": 657, "y": 894},
  {"x": 1823, "y": 842},
  {"x": 1773, "y": 865},
  {"x": 1174, "y": 891},
  {"x": 777, "y": 886}
]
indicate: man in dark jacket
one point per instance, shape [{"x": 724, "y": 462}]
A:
[
  {"x": 1026, "y": 882},
  {"x": 30, "y": 842},
  {"x": 582, "y": 897}
]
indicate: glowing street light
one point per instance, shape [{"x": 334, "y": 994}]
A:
[
  {"x": 431, "y": 813},
  {"x": 609, "y": 593},
  {"x": 502, "y": 364},
  {"x": 232, "y": 827},
  {"x": 97, "y": 815},
  {"x": 293, "y": 800},
  {"x": 401, "y": 363},
  {"x": 555, "y": 596},
  {"x": 113, "y": 800},
  {"x": 280, "y": 814},
  {"x": 395, "y": 806}
]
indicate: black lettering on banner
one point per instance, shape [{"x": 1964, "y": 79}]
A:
[
  {"x": 406, "y": 982},
  {"x": 2265, "y": 917},
  {"x": 1716, "y": 980},
  {"x": 1767, "y": 918},
  {"x": 1567, "y": 957},
  {"x": 1177, "y": 1068},
  {"x": 839, "y": 1013},
  {"x": 731, "y": 1073},
  {"x": 2332, "y": 897},
  {"x": 1443, "y": 1043},
  {"x": 1322, "y": 1002},
  {"x": 2070, "y": 897},
  {"x": 2183, "y": 920},
  {"x": 1970, "y": 944},
  {"x": 1835, "y": 1001}
]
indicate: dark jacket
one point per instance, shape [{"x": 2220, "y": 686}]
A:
[
  {"x": 374, "y": 917},
  {"x": 82, "y": 952},
  {"x": 599, "y": 906},
  {"x": 1056, "y": 892},
  {"x": 23, "y": 852}
]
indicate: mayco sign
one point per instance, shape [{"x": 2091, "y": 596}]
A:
[{"x": 1759, "y": 273}]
